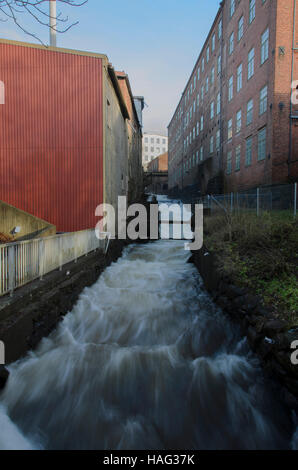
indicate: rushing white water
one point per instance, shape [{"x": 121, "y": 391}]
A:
[{"x": 145, "y": 360}]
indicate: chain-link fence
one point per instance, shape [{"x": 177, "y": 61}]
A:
[{"x": 280, "y": 198}]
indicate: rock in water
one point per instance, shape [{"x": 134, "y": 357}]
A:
[{"x": 4, "y": 374}]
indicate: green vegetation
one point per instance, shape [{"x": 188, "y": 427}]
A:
[{"x": 259, "y": 253}]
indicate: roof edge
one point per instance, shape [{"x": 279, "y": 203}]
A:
[{"x": 54, "y": 49}]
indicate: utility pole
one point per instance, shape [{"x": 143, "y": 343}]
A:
[{"x": 53, "y": 16}]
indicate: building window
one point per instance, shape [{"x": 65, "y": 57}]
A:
[
  {"x": 218, "y": 104},
  {"x": 201, "y": 153},
  {"x": 218, "y": 139},
  {"x": 157, "y": 141},
  {"x": 197, "y": 157},
  {"x": 203, "y": 65},
  {"x": 194, "y": 106},
  {"x": 262, "y": 144},
  {"x": 238, "y": 158},
  {"x": 207, "y": 84},
  {"x": 263, "y": 100},
  {"x": 248, "y": 151},
  {"x": 265, "y": 46},
  {"x": 238, "y": 121},
  {"x": 239, "y": 78},
  {"x": 194, "y": 82},
  {"x": 220, "y": 29},
  {"x": 212, "y": 75},
  {"x": 218, "y": 64},
  {"x": 231, "y": 44},
  {"x": 146, "y": 140},
  {"x": 230, "y": 91},
  {"x": 208, "y": 54},
  {"x": 240, "y": 28},
  {"x": 163, "y": 141},
  {"x": 146, "y": 149},
  {"x": 249, "y": 112},
  {"x": 229, "y": 163},
  {"x": 251, "y": 63},
  {"x": 199, "y": 72},
  {"x": 152, "y": 149},
  {"x": 211, "y": 144},
  {"x": 212, "y": 110},
  {"x": 252, "y": 10},
  {"x": 198, "y": 128},
  {"x": 202, "y": 92},
  {"x": 202, "y": 123},
  {"x": 230, "y": 129},
  {"x": 198, "y": 100},
  {"x": 152, "y": 141},
  {"x": 232, "y": 8},
  {"x": 213, "y": 43}
]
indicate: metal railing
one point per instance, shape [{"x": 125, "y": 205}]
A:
[
  {"x": 267, "y": 198},
  {"x": 24, "y": 261}
]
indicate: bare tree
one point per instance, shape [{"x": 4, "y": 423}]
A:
[{"x": 12, "y": 10}]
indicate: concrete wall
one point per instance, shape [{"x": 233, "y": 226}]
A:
[
  {"x": 134, "y": 133},
  {"x": 11, "y": 217},
  {"x": 115, "y": 145}
]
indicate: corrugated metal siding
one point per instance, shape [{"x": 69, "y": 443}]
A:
[{"x": 51, "y": 135}]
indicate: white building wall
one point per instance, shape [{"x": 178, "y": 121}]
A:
[{"x": 153, "y": 146}]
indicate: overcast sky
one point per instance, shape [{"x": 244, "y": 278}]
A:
[{"x": 156, "y": 42}]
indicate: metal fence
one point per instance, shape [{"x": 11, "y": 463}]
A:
[
  {"x": 269, "y": 198},
  {"x": 25, "y": 261}
]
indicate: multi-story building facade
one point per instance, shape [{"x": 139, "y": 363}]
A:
[
  {"x": 236, "y": 125},
  {"x": 153, "y": 146}
]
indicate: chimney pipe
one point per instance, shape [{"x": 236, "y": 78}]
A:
[{"x": 53, "y": 15}]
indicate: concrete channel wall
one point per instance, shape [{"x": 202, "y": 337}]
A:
[
  {"x": 35, "y": 309},
  {"x": 269, "y": 337}
]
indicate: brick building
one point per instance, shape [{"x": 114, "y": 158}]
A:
[
  {"x": 156, "y": 180},
  {"x": 235, "y": 126}
]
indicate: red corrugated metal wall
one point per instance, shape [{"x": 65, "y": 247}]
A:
[{"x": 51, "y": 135}]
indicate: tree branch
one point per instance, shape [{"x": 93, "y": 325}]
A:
[{"x": 11, "y": 10}]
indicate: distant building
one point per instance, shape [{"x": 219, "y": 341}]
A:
[
  {"x": 159, "y": 163},
  {"x": 153, "y": 146},
  {"x": 156, "y": 178},
  {"x": 235, "y": 126}
]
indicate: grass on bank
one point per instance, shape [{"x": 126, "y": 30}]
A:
[{"x": 259, "y": 253}]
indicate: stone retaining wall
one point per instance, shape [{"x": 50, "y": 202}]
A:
[{"x": 268, "y": 336}]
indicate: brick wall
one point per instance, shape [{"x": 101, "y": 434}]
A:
[{"x": 277, "y": 163}]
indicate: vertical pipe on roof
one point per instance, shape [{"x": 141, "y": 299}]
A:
[{"x": 53, "y": 23}]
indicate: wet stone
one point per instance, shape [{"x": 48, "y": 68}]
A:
[
  {"x": 272, "y": 327},
  {"x": 4, "y": 374}
]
